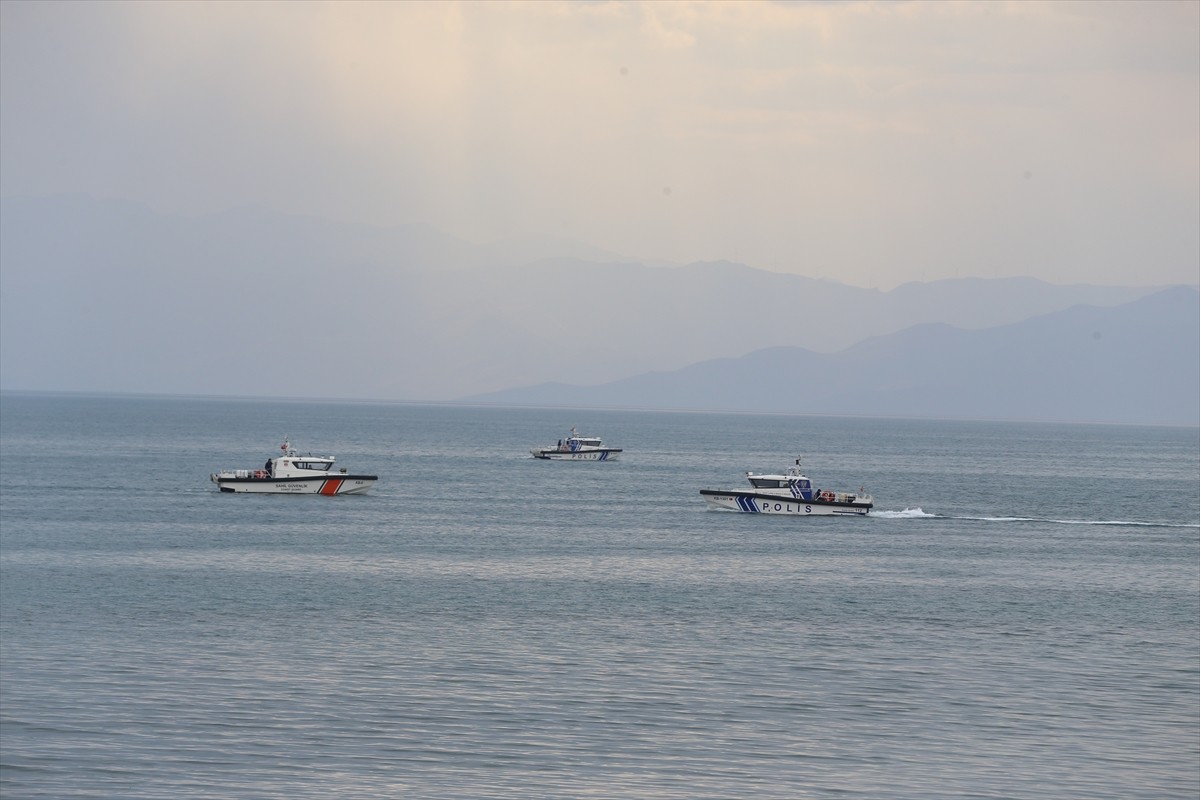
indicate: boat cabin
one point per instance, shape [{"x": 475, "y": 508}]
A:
[
  {"x": 778, "y": 482},
  {"x": 798, "y": 485},
  {"x": 293, "y": 465},
  {"x": 575, "y": 443},
  {"x": 794, "y": 481}
]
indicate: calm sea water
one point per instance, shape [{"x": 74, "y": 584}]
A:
[{"x": 1019, "y": 619}]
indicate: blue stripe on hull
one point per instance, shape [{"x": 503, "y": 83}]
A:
[
  {"x": 762, "y": 504},
  {"x": 747, "y": 504}
]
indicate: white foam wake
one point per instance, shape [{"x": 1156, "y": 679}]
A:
[
  {"x": 1113, "y": 522},
  {"x": 908, "y": 513},
  {"x": 918, "y": 513}
]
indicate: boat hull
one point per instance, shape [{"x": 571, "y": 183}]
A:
[
  {"x": 326, "y": 485},
  {"x": 576, "y": 455},
  {"x": 758, "y": 503}
]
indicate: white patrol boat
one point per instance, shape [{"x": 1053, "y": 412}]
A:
[
  {"x": 577, "y": 448},
  {"x": 792, "y": 493},
  {"x": 292, "y": 473}
]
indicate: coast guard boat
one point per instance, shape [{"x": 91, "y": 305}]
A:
[
  {"x": 577, "y": 448},
  {"x": 791, "y": 493},
  {"x": 292, "y": 473}
]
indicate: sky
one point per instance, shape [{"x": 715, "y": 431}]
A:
[{"x": 867, "y": 143}]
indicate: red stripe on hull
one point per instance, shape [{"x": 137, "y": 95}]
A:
[{"x": 331, "y": 486}]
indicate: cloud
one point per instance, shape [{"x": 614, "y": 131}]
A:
[{"x": 873, "y": 142}]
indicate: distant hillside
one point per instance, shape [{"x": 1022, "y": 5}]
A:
[
  {"x": 1135, "y": 363},
  {"x": 103, "y": 295}
]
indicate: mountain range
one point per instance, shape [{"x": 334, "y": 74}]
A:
[
  {"x": 106, "y": 295},
  {"x": 1138, "y": 362}
]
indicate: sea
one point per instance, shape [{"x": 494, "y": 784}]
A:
[{"x": 1019, "y": 617}]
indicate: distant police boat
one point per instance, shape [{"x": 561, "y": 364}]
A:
[
  {"x": 292, "y": 473},
  {"x": 577, "y": 448},
  {"x": 791, "y": 493}
]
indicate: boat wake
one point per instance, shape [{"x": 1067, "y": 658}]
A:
[
  {"x": 908, "y": 513},
  {"x": 917, "y": 513},
  {"x": 1111, "y": 522}
]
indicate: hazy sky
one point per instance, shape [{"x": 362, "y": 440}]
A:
[{"x": 871, "y": 143}]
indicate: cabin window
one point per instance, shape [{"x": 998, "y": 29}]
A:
[
  {"x": 765, "y": 483},
  {"x": 318, "y": 465}
]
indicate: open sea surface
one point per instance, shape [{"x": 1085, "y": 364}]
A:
[{"x": 1019, "y": 618}]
